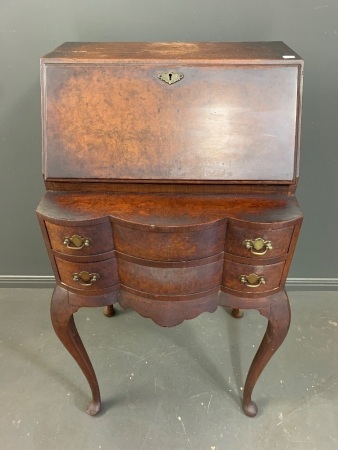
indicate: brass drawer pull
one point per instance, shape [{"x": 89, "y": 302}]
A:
[
  {"x": 76, "y": 242},
  {"x": 85, "y": 278},
  {"x": 257, "y": 246},
  {"x": 252, "y": 280}
]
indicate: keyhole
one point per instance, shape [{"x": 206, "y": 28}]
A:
[{"x": 170, "y": 77}]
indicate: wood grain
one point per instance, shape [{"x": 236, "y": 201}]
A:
[{"x": 96, "y": 127}]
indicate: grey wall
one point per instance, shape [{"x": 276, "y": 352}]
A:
[{"x": 29, "y": 29}]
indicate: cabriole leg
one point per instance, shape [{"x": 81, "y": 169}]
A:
[
  {"x": 64, "y": 326},
  {"x": 277, "y": 329}
]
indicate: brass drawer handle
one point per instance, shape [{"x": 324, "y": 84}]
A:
[
  {"x": 252, "y": 280},
  {"x": 257, "y": 246},
  {"x": 76, "y": 242},
  {"x": 85, "y": 278}
]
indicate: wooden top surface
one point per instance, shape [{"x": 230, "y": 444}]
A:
[
  {"x": 164, "y": 212},
  {"x": 229, "y": 52}
]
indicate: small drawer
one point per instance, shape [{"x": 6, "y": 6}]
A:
[
  {"x": 88, "y": 276},
  {"x": 252, "y": 278},
  {"x": 81, "y": 240},
  {"x": 257, "y": 243}
]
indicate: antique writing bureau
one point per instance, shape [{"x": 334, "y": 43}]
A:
[{"x": 171, "y": 170}]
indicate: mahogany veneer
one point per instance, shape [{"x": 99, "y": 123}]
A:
[{"x": 170, "y": 171}]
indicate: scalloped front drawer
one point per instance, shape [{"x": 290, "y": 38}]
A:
[
  {"x": 81, "y": 240},
  {"x": 170, "y": 278},
  {"x": 88, "y": 276},
  {"x": 252, "y": 278},
  {"x": 252, "y": 242},
  {"x": 169, "y": 245}
]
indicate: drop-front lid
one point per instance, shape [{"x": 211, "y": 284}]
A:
[{"x": 175, "y": 112}]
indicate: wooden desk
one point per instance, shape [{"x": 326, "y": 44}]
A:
[{"x": 170, "y": 171}]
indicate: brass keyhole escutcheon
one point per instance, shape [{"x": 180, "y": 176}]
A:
[{"x": 171, "y": 77}]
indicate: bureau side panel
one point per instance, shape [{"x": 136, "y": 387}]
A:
[{"x": 218, "y": 123}]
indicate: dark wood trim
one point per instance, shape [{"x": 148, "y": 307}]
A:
[{"x": 179, "y": 188}]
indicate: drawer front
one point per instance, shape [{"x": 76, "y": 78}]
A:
[
  {"x": 170, "y": 278},
  {"x": 256, "y": 243},
  {"x": 81, "y": 240},
  {"x": 169, "y": 246},
  {"x": 88, "y": 276},
  {"x": 252, "y": 278}
]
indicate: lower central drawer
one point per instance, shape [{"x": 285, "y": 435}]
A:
[
  {"x": 88, "y": 275},
  {"x": 170, "y": 278}
]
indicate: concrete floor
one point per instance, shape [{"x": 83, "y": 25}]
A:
[{"x": 167, "y": 389}]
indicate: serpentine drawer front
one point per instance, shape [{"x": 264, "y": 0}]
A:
[
  {"x": 88, "y": 275},
  {"x": 169, "y": 244},
  {"x": 80, "y": 240},
  {"x": 246, "y": 278},
  {"x": 171, "y": 171},
  {"x": 258, "y": 242}
]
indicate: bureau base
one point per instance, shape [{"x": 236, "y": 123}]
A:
[
  {"x": 170, "y": 258},
  {"x": 274, "y": 307}
]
